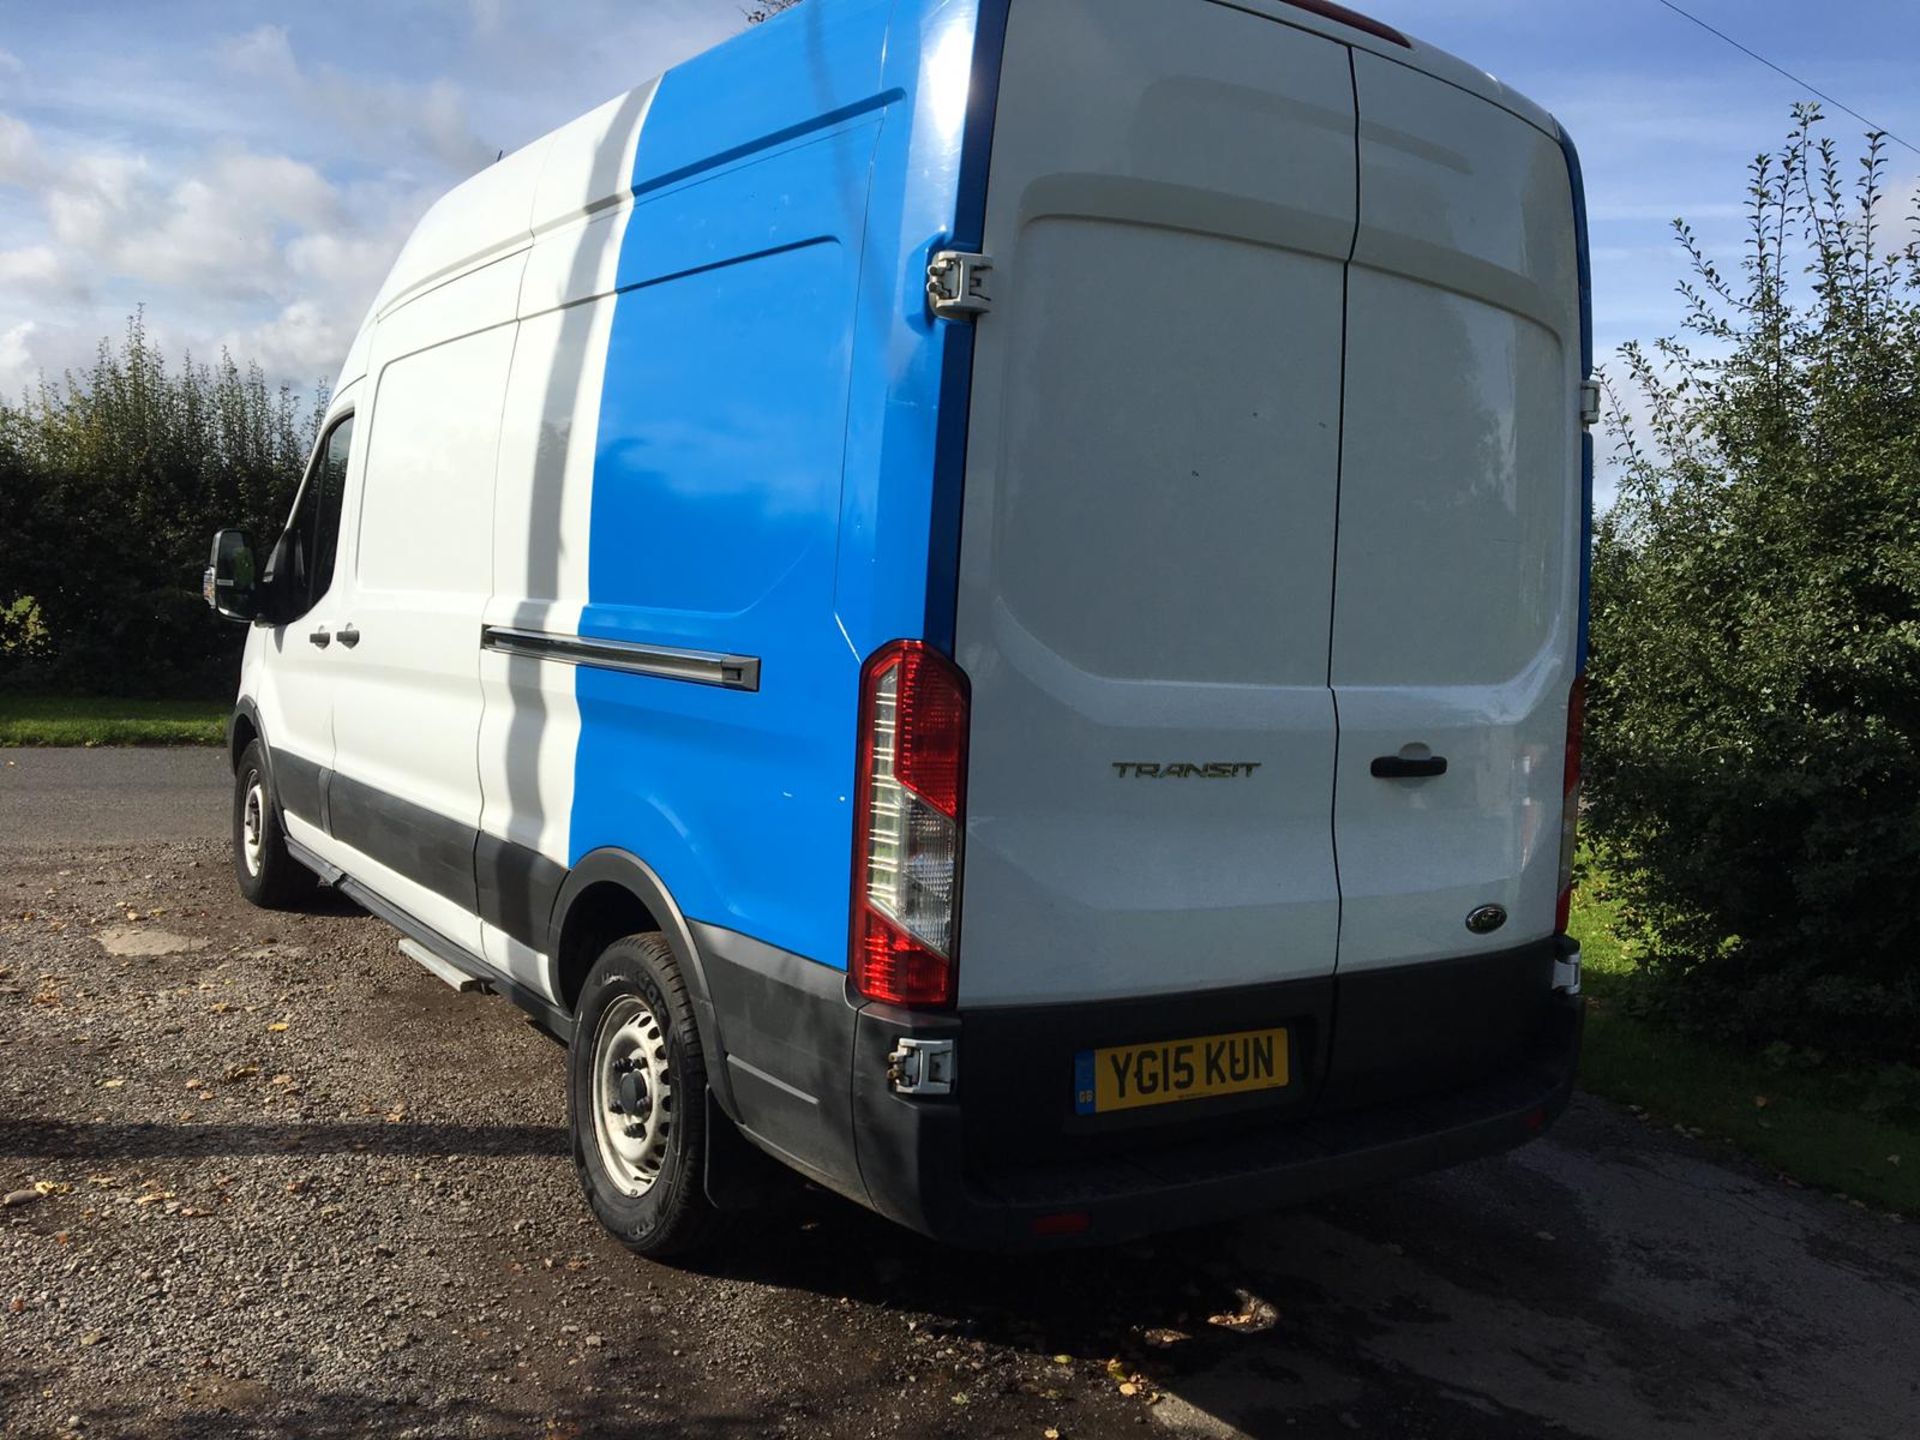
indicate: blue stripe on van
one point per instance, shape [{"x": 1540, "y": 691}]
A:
[
  {"x": 765, "y": 453},
  {"x": 1585, "y": 262}
]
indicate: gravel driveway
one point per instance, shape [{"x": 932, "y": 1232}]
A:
[{"x": 294, "y": 1186}]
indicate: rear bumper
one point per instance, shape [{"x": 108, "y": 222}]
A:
[{"x": 918, "y": 1167}]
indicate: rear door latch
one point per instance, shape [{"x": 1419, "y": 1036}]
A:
[
  {"x": 921, "y": 1067},
  {"x": 957, "y": 285}
]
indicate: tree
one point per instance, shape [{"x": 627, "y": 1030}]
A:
[
  {"x": 1754, "y": 732},
  {"x": 111, "y": 484},
  {"x": 766, "y": 9}
]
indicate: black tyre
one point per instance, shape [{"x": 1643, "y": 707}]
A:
[
  {"x": 269, "y": 877},
  {"x": 636, "y": 1096}
]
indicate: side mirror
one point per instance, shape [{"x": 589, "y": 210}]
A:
[{"x": 231, "y": 585}]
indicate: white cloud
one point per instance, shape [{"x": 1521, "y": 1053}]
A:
[
  {"x": 264, "y": 53},
  {"x": 34, "y": 266},
  {"x": 218, "y": 229},
  {"x": 306, "y": 341},
  {"x": 382, "y": 116},
  {"x": 19, "y": 153},
  {"x": 18, "y": 369},
  {"x": 252, "y": 189}
]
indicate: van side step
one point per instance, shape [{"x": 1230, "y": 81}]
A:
[{"x": 446, "y": 970}]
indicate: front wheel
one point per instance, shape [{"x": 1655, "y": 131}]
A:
[
  {"x": 636, "y": 1095},
  {"x": 269, "y": 877}
]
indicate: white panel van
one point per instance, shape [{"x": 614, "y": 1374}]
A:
[{"x": 984, "y": 598}]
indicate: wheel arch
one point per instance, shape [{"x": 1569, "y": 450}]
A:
[
  {"x": 610, "y": 893},
  {"x": 243, "y": 728}
]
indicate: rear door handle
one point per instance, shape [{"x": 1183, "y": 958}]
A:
[
  {"x": 349, "y": 636},
  {"x": 1399, "y": 767},
  {"x": 321, "y": 638}
]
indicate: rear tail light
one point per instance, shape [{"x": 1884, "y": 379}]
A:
[
  {"x": 909, "y": 813},
  {"x": 1570, "y": 798}
]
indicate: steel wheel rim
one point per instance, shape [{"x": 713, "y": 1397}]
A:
[
  {"x": 632, "y": 1095},
  {"x": 253, "y": 817}
]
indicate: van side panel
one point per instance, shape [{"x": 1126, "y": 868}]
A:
[
  {"x": 415, "y": 572},
  {"x": 543, "y": 512},
  {"x": 717, "y": 486},
  {"x": 762, "y": 454}
]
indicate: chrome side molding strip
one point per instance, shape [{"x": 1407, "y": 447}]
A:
[{"x": 698, "y": 667}]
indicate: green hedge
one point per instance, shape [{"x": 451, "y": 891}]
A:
[
  {"x": 1755, "y": 693},
  {"x": 111, "y": 485}
]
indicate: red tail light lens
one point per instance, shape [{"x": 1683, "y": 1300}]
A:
[
  {"x": 1570, "y": 798},
  {"x": 909, "y": 814}
]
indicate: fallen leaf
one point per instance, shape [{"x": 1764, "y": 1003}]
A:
[
  {"x": 114, "y": 1084},
  {"x": 1063, "y": 1359},
  {"x": 241, "y": 1072},
  {"x": 1164, "y": 1339},
  {"x": 1253, "y": 1316},
  {"x": 1127, "y": 1387},
  {"x": 276, "y": 1027}
]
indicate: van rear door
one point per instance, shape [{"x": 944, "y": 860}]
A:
[
  {"x": 1148, "y": 527},
  {"x": 1456, "y": 605}
]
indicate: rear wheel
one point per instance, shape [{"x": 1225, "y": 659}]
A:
[
  {"x": 637, "y": 1085},
  {"x": 269, "y": 877}
]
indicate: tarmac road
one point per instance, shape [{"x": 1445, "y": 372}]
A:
[
  {"x": 315, "y": 1193},
  {"x": 113, "y": 796}
]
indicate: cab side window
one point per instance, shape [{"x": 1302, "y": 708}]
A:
[{"x": 303, "y": 561}]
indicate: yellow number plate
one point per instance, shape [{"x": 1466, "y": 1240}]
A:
[{"x": 1125, "y": 1077}]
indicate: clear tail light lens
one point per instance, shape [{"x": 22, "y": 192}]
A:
[
  {"x": 1570, "y": 799},
  {"x": 909, "y": 813}
]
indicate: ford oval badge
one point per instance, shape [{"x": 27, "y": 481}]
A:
[{"x": 1487, "y": 919}]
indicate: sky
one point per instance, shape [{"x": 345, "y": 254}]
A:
[{"x": 246, "y": 171}]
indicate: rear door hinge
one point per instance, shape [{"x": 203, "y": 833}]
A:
[
  {"x": 1589, "y": 403},
  {"x": 921, "y": 1067},
  {"x": 957, "y": 285}
]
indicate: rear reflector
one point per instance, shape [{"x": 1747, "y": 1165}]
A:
[
  {"x": 1329, "y": 11},
  {"x": 1570, "y": 798},
  {"x": 908, "y": 819}
]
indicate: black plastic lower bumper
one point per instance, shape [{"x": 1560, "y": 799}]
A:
[{"x": 920, "y": 1168}]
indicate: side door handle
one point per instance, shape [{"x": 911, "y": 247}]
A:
[
  {"x": 349, "y": 636},
  {"x": 1398, "y": 767},
  {"x": 321, "y": 638}
]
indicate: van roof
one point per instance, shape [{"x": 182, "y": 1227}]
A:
[{"x": 536, "y": 187}]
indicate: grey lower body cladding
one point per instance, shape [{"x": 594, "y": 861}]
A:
[{"x": 1426, "y": 1066}]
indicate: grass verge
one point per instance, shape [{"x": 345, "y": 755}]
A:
[
  {"x": 69, "y": 720},
  {"x": 1807, "y": 1124}
]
